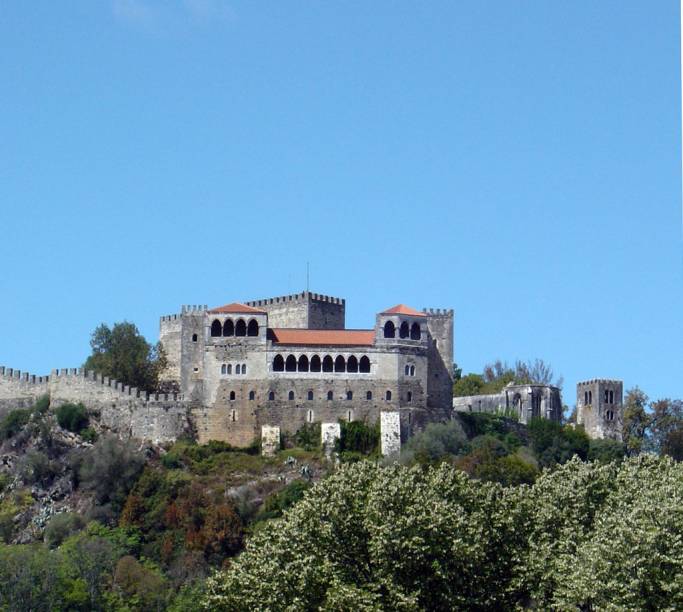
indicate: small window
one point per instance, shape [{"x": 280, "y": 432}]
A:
[
  {"x": 409, "y": 396},
  {"x": 611, "y": 397},
  {"x": 252, "y": 395},
  {"x": 349, "y": 395},
  {"x": 232, "y": 396},
  {"x": 310, "y": 416},
  {"x": 407, "y": 370},
  {"x": 310, "y": 396},
  {"x": 244, "y": 369},
  {"x": 410, "y": 418},
  {"x": 368, "y": 395},
  {"x": 233, "y": 416},
  {"x": 412, "y": 370},
  {"x": 238, "y": 369},
  {"x": 194, "y": 337},
  {"x": 271, "y": 396},
  {"x": 606, "y": 396},
  {"x": 388, "y": 396},
  {"x": 585, "y": 398},
  {"x": 224, "y": 369},
  {"x": 291, "y": 396},
  {"x": 349, "y": 416},
  {"x": 330, "y": 396},
  {"x": 196, "y": 369},
  {"x": 590, "y": 397}
]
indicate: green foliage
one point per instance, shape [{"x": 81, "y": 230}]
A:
[
  {"x": 109, "y": 469},
  {"x": 498, "y": 374},
  {"x": 13, "y": 422},
  {"x": 636, "y": 421},
  {"x": 123, "y": 353},
  {"x": 584, "y": 536},
  {"x": 555, "y": 444},
  {"x": 11, "y": 505},
  {"x": 73, "y": 417},
  {"x": 308, "y": 436},
  {"x": 42, "y": 405},
  {"x": 606, "y": 451},
  {"x": 280, "y": 501},
  {"x": 89, "y": 435},
  {"x": 359, "y": 437},
  {"x": 61, "y": 526},
  {"x": 35, "y": 467},
  {"x": 437, "y": 441},
  {"x": 471, "y": 384}
]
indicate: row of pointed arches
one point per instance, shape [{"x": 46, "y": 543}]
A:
[
  {"x": 404, "y": 331},
  {"x": 234, "y": 328},
  {"x": 352, "y": 365}
]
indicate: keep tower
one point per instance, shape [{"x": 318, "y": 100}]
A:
[{"x": 600, "y": 407}]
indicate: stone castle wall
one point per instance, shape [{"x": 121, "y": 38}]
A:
[{"x": 122, "y": 409}]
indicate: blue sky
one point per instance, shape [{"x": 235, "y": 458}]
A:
[{"x": 518, "y": 161}]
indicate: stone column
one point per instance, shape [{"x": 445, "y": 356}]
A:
[
  {"x": 270, "y": 440},
  {"x": 329, "y": 434},
  {"x": 390, "y": 430}
]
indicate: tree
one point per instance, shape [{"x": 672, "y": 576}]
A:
[
  {"x": 666, "y": 427},
  {"x": 636, "y": 421},
  {"x": 123, "y": 353}
]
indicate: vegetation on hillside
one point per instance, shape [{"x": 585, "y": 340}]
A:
[{"x": 498, "y": 374}]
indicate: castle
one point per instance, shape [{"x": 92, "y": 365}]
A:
[
  {"x": 249, "y": 371},
  {"x": 289, "y": 360}
]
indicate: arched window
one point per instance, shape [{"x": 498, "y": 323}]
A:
[
  {"x": 611, "y": 397},
  {"x": 244, "y": 369},
  {"x": 252, "y": 395},
  {"x": 364, "y": 365},
  {"x": 368, "y": 395},
  {"x": 303, "y": 363},
  {"x": 194, "y": 337},
  {"x": 407, "y": 370},
  {"x": 409, "y": 396},
  {"x": 415, "y": 333},
  {"x": 389, "y": 330},
  {"x": 328, "y": 364},
  {"x": 315, "y": 363},
  {"x": 241, "y": 328},
  {"x": 590, "y": 397},
  {"x": 238, "y": 369},
  {"x": 232, "y": 395},
  {"x": 352, "y": 364},
  {"x": 271, "y": 396},
  {"x": 339, "y": 364},
  {"x": 224, "y": 369},
  {"x": 349, "y": 395},
  {"x": 216, "y": 328},
  {"x": 278, "y": 364},
  {"x": 412, "y": 370},
  {"x": 290, "y": 364},
  {"x": 585, "y": 397},
  {"x": 228, "y": 328},
  {"x": 388, "y": 396},
  {"x": 310, "y": 396},
  {"x": 330, "y": 396},
  {"x": 229, "y": 368},
  {"x": 290, "y": 396},
  {"x": 252, "y": 328},
  {"x": 404, "y": 331},
  {"x": 606, "y": 396}
]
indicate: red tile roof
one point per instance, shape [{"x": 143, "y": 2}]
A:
[
  {"x": 402, "y": 309},
  {"x": 324, "y": 337},
  {"x": 237, "y": 308}
]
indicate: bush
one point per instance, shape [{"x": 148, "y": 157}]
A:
[
  {"x": 73, "y": 417},
  {"x": 109, "y": 469},
  {"x": 13, "y": 422},
  {"x": 36, "y": 466},
  {"x": 61, "y": 526},
  {"x": 359, "y": 437},
  {"x": 42, "y": 404},
  {"x": 278, "y": 502},
  {"x": 438, "y": 440},
  {"x": 606, "y": 451},
  {"x": 89, "y": 435},
  {"x": 308, "y": 436}
]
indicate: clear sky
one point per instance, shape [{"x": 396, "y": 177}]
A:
[{"x": 517, "y": 161}]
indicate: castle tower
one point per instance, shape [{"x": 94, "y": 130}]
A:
[
  {"x": 440, "y": 383},
  {"x": 599, "y": 407}
]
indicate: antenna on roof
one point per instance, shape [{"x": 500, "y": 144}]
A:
[{"x": 307, "y": 275}]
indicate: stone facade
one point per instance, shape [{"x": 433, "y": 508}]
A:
[
  {"x": 524, "y": 401},
  {"x": 289, "y": 360},
  {"x": 600, "y": 408}
]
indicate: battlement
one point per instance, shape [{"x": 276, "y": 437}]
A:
[
  {"x": 600, "y": 381},
  {"x": 193, "y": 309},
  {"x": 24, "y": 377},
  {"x": 440, "y": 312},
  {"x": 304, "y": 296}
]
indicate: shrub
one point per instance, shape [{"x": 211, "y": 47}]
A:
[
  {"x": 278, "y": 502},
  {"x": 89, "y": 435},
  {"x": 606, "y": 451},
  {"x": 308, "y": 436},
  {"x": 42, "y": 404},
  {"x": 73, "y": 417},
  {"x": 438, "y": 440},
  {"x": 36, "y": 466},
  {"x": 61, "y": 526},
  {"x": 13, "y": 422},
  {"x": 359, "y": 437}
]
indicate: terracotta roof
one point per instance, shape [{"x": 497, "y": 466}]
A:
[
  {"x": 402, "y": 309},
  {"x": 236, "y": 307},
  {"x": 322, "y": 337}
]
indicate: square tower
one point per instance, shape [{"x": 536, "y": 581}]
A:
[{"x": 600, "y": 407}]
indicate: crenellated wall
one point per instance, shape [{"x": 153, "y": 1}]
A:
[{"x": 123, "y": 409}]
